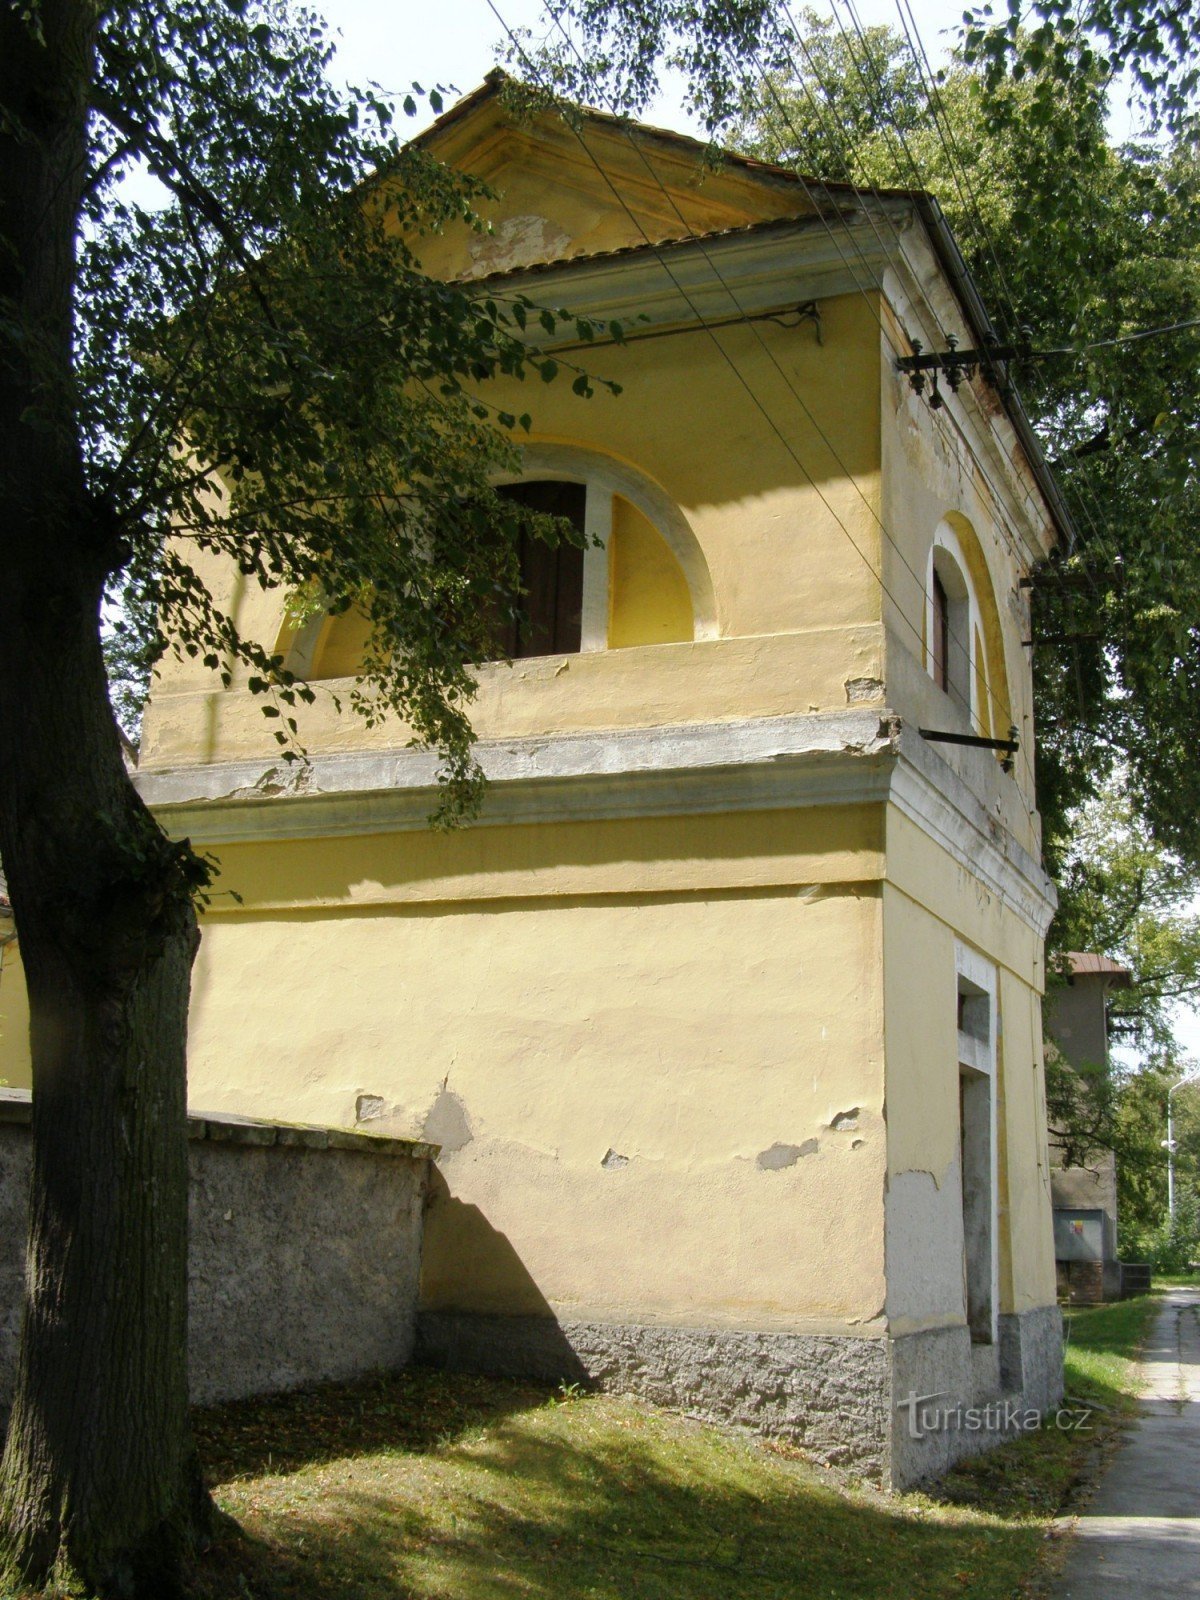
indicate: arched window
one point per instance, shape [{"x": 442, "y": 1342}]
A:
[
  {"x": 640, "y": 577},
  {"x": 952, "y": 626},
  {"x": 965, "y": 649}
]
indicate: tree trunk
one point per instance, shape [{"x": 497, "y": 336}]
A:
[{"x": 98, "y": 1484}]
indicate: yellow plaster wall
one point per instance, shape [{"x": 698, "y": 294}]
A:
[
  {"x": 929, "y": 900},
  {"x": 553, "y": 203},
  {"x": 15, "y": 1068},
  {"x": 1027, "y": 1277},
  {"x": 687, "y": 994},
  {"x": 648, "y": 598},
  {"x": 709, "y": 681},
  {"x": 934, "y": 470},
  {"x": 343, "y": 643},
  {"x": 747, "y": 850},
  {"x": 779, "y": 541}
]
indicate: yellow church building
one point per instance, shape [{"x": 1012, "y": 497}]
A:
[{"x": 726, "y": 1015}]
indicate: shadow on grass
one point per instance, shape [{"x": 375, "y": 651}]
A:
[
  {"x": 426, "y": 1484},
  {"x": 413, "y": 1411},
  {"x": 598, "y": 1499}
]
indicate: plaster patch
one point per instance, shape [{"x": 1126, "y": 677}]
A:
[
  {"x": 446, "y": 1123},
  {"x": 613, "y": 1159},
  {"x": 845, "y": 1121},
  {"x": 860, "y": 690},
  {"x": 778, "y": 1156}
]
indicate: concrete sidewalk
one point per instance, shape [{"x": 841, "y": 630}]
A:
[{"x": 1139, "y": 1538}]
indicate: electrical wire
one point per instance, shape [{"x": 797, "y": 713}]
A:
[
  {"x": 740, "y": 377},
  {"x": 1003, "y": 297},
  {"x": 1000, "y": 508},
  {"x": 913, "y": 166}
]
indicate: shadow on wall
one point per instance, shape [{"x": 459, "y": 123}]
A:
[
  {"x": 510, "y": 1329},
  {"x": 422, "y": 864}
]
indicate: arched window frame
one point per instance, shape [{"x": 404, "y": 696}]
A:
[
  {"x": 948, "y": 564},
  {"x": 602, "y": 478}
]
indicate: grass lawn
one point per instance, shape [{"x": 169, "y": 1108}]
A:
[{"x": 428, "y": 1485}]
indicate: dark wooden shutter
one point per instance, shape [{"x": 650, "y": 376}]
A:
[{"x": 551, "y": 622}]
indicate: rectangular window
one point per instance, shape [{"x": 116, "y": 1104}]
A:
[
  {"x": 975, "y": 1124},
  {"x": 977, "y": 1139},
  {"x": 551, "y": 601}
]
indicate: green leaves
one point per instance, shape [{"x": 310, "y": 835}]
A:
[
  {"x": 1153, "y": 43},
  {"x": 267, "y": 377},
  {"x": 1082, "y": 242}
]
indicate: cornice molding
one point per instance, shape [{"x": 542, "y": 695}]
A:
[
  {"x": 765, "y": 764},
  {"x": 767, "y": 270}
]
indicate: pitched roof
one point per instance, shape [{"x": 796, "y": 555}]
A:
[
  {"x": 815, "y": 191},
  {"x": 685, "y": 143},
  {"x": 1090, "y": 963}
]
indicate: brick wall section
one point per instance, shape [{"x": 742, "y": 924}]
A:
[
  {"x": 1082, "y": 1282},
  {"x": 304, "y": 1255}
]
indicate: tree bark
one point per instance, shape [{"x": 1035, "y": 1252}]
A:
[{"x": 98, "y": 1484}]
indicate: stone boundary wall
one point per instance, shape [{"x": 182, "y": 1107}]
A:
[{"x": 304, "y": 1256}]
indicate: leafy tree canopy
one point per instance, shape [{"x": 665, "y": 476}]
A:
[
  {"x": 1123, "y": 894},
  {"x": 1079, "y": 244},
  {"x": 257, "y": 377},
  {"x": 1151, "y": 42},
  {"x": 274, "y": 315}
]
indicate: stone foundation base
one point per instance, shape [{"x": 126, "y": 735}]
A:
[
  {"x": 845, "y": 1400},
  {"x": 953, "y": 1398}
]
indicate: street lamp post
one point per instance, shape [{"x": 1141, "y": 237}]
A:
[{"x": 1169, "y": 1141}]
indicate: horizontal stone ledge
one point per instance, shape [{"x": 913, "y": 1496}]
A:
[
  {"x": 222, "y": 1127},
  {"x": 16, "y": 1105}
]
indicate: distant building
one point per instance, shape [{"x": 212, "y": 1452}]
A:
[{"x": 1085, "y": 1198}]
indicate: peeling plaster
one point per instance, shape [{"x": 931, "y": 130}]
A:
[
  {"x": 845, "y": 1121},
  {"x": 778, "y": 1156},
  {"x": 517, "y": 241},
  {"x": 613, "y": 1159},
  {"x": 860, "y": 690},
  {"x": 924, "y": 1172},
  {"x": 369, "y": 1108}
]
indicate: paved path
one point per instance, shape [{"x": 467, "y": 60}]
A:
[{"x": 1139, "y": 1538}]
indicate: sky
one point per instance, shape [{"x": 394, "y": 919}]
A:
[{"x": 458, "y": 41}]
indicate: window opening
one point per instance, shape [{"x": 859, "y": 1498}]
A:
[
  {"x": 548, "y": 617},
  {"x": 941, "y": 632}
]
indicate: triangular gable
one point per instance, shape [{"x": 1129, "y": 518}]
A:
[{"x": 608, "y": 184}]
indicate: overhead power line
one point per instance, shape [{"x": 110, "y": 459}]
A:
[
  {"x": 742, "y": 380},
  {"x": 972, "y": 212},
  {"x": 1122, "y": 338}
]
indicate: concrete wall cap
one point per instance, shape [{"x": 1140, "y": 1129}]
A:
[
  {"x": 225, "y": 1127},
  {"x": 16, "y": 1105}
]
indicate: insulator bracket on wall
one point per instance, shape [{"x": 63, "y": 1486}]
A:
[{"x": 955, "y": 365}]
